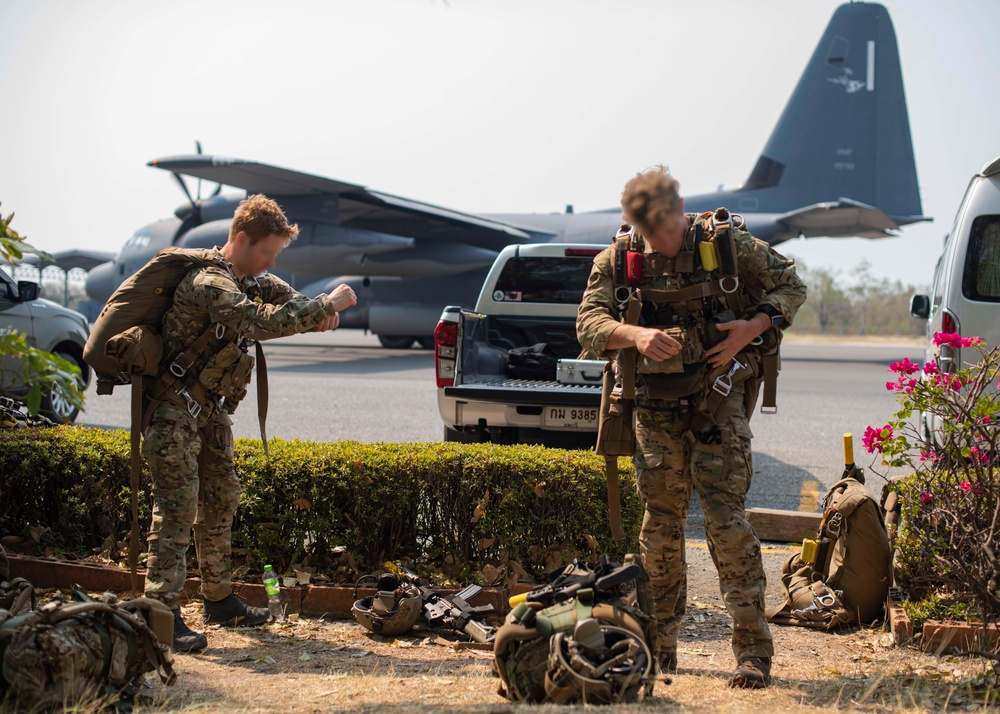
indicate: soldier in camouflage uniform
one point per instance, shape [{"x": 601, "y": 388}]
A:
[
  {"x": 677, "y": 447},
  {"x": 188, "y": 442}
]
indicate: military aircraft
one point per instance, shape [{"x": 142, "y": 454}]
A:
[{"x": 839, "y": 163}]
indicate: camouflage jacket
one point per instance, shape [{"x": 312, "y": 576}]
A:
[
  {"x": 766, "y": 278},
  {"x": 212, "y": 295}
]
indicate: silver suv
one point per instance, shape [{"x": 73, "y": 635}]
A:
[{"x": 49, "y": 327}]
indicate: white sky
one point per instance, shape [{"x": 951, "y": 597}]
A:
[{"x": 475, "y": 105}]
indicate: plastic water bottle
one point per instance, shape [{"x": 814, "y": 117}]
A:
[{"x": 273, "y": 597}]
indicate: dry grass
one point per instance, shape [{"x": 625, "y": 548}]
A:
[{"x": 318, "y": 666}]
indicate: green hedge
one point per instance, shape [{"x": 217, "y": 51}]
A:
[{"x": 338, "y": 506}]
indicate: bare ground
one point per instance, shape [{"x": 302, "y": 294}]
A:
[{"x": 312, "y": 665}]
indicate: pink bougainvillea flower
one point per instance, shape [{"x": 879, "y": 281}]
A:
[
  {"x": 926, "y": 497},
  {"x": 930, "y": 367},
  {"x": 987, "y": 419},
  {"x": 904, "y": 366},
  {"x": 947, "y": 338},
  {"x": 973, "y": 341},
  {"x": 928, "y": 455},
  {"x": 891, "y": 386},
  {"x": 965, "y": 486},
  {"x": 875, "y": 438}
]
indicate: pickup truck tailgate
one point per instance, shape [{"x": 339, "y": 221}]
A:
[{"x": 528, "y": 391}]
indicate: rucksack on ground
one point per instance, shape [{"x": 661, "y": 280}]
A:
[
  {"x": 103, "y": 651},
  {"x": 843, "y": 576}
]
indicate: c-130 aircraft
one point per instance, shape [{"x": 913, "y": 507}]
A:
[{"x": 839, "y": 163}]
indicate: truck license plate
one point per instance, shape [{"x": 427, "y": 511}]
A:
[{"x": 579, "y": 418}]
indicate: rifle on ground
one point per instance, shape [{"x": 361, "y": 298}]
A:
[{"x": 455, "y": 612}]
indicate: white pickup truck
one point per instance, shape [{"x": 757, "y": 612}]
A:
[{"x": 508, "y": 371}]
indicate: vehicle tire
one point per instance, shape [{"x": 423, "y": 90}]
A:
[
  {"x": 456, "y": 436},
  {"x": 54, "y": 406},
  {"x": 393, "y": 342},
  {"x": 426, "y": 343}
]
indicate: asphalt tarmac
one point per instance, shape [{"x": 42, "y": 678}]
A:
[{"x": 344, "y": 385}]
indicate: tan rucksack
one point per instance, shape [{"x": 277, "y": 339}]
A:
[
  {"x": 843, "y": 577},
  {"x": 136, "y": 309}
]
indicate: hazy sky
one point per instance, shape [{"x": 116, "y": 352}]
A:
[{"x": 475, "y": 105}]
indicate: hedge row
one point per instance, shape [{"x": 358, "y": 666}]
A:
[{"x": 461, "y": 505}]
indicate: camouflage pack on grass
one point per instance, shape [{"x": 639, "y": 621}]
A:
[{"x": 84, "y": 652}]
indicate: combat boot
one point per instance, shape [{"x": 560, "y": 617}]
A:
[
  {"x": 186, "y": 639},
  {"x": 667, "y": 661},
  {"x": 233, "y": 612},
  {"x": 752, "y": 673}
]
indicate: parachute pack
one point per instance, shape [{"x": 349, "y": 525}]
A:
[
  {"x": 578, "y": 639},
  {"x": 83, "y": 651},
  {"x": 841, "y": 577}
]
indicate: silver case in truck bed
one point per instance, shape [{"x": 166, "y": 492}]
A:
[{"x": 580, "y": 371}]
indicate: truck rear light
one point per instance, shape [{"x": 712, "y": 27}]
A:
[
  {"x": 445, "y": 345},
  {"x": 950, "y": 358},
  {"x": 583, "y": 252}
]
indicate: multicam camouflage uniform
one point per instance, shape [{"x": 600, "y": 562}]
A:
[
  {"x": 191, "y": 459},
  {"x": 670, "y": 459}
]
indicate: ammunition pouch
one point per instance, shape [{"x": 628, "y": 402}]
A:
[
  {"x": 692, "y": 352},
  {"x": 227, "y": 373},
  {"x": 809, "y": 602},
  {"x": 673, "y": 386}
]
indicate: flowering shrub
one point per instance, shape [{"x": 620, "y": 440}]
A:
[{"x": 948, "y": 542}]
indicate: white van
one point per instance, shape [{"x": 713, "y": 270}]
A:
[{"x": 965, "y": 298}]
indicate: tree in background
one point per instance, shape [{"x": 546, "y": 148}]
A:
[
  {"x": 22, "y": 363},
  {"x": 865, "y": 305}
]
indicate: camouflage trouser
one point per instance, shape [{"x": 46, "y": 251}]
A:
[
  {"x": 194, "y": 484},
  {"x": 668, "y": 463}
]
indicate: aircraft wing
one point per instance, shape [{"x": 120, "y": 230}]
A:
[
  {"x": 359, "y": 207},
  {"x": 843, "y": 217}
]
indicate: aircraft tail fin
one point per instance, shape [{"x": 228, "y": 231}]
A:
[{"x": 845, "y": 132}]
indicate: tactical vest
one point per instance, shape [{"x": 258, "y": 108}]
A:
[{"x": 686, "y": 296}]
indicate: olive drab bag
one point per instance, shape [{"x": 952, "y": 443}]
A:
[
  {"x": 843, "y": 576},
  {"x": 67, "y": 653},
  {"x": 578, "y": 640}
]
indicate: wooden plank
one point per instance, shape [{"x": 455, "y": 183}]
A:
[{"x": 772, "y": 524}]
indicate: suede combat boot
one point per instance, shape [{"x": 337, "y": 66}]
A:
[
  {"x": 233, "y": 612},
  {"x": 186, "y": 639},
  {"x": 752, "y": 673}
]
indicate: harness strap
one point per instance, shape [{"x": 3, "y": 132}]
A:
[
  {"x": 262, "y": 396},
  {"x": 136, "y": 434},
  {"x": 698, "y": 291},
  {"x": 768, "y": 403}
]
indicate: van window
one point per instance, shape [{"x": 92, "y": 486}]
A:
[
  {"x": 549, "y": 280},
  {"x": 981, "y": 279}
]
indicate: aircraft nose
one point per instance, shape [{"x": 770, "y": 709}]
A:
[{"x": 101, "y": 282}]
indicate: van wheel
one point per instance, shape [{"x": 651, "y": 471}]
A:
[
  {"x": 54, "y": 405},
  {"x": 392, "y": 342}
]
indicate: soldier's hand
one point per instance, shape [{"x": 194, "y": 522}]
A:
[
  {"x": 342, "y": 298},
  {"x": 329, "y": 323},
  {"x": 741, "y": 333},
  {"x": 656, "y": 344}
]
